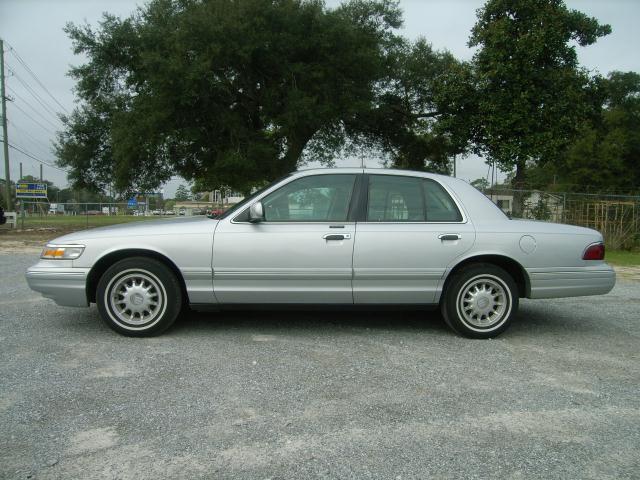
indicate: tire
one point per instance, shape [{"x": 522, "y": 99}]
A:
[
  {"x": 480, "y": 301},
  {"x": 139, "y": 297}
]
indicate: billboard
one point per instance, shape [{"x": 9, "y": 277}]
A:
[{"x": 31, "y": 190}]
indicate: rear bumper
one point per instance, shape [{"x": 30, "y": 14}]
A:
[
  {"x": 560, "y": 282},
  {"x": 65, "y": 286}
]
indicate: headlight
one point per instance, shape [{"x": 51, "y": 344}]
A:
[{"x": 62, "y": 252}]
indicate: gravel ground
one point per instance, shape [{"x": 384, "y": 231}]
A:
[{"x": 319, "y": 395}]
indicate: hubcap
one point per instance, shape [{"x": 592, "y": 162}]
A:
[
  {"x": 136, "y": 298},
  {"x": 483, "y": 302}
]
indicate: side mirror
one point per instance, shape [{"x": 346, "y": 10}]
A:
[{"x": 256, "y": 213}]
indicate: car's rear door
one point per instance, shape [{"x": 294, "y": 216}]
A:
[
  {"x": 301, "y": 252},
  {"x": 411, "y": 230}
]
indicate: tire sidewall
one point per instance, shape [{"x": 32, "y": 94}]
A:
[
  {"x": 170, "y": 289},
  {"x": 451, "y": 298}
]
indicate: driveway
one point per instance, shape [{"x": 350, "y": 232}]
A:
[{"x": 290, "y": 395}]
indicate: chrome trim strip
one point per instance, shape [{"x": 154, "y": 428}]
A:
[
  {"x": 398, "y": 273},
  {"x": 283, "y": 274},
  {"x": 54, "y": 275},
  {"x": 65, "y": 245}
]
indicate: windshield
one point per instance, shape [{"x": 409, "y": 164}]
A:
[{"x": 238, "y": 206}]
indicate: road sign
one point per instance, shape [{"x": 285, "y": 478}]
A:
[
  {"x": 132, "y": 203},
  {"x": 31, "y": 190}
]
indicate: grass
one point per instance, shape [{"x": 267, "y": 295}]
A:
[
  {"x": 80, "y": 222},
  {"x": 623, "y": 258}
]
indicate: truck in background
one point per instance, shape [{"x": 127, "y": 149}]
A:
[{"x": 56, "y": 209}]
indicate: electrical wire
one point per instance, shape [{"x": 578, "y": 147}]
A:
[
  {"x": 25, "y": 135},
  {"x": 33, "y": 157},
  {"x": 35, "y": 77},
  {"x": 34, "y": 120},
  {"x": 48, "y": 108},
  {"x": 33, "y": 109}
]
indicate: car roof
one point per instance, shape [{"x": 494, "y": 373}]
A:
[{"x": 371, "y": 171}]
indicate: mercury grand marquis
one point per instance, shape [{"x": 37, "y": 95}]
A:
[{"x": 340, "y": 237}]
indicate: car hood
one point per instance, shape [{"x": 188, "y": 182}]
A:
[{"x": 174, "y": 226}]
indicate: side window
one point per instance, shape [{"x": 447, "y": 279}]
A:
[
  {"x": 440, "y": 205},
  {"x": 320, "y": 198},
  {"x": 395, "y": 199}
]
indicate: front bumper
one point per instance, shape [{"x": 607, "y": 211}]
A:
[
  {"x": 560, "y": 282},
  {"x": 67, "y": 286}
]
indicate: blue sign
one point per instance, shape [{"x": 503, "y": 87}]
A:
[
  {"x": 31, "y": 190},
  {"x": 132, "y": 203}
]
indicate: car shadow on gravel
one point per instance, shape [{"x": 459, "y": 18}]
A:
[
  {"x": 305, "y": 321},
  {"x": 531, "y": 320}
]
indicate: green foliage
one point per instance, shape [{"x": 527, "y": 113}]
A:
[
  {"x": 531, "y": 93},
  {"x": 541, "y": 210},
  {"x": 481, "y": 184},
  {"x": 226, "y": 92},
  {"x": 182, "y": 194},
  {"x": 605, "y": 156}
]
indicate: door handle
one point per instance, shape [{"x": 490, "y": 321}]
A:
[
  {"x": 337, "y": 236},
  {"x": 450, "y": 236}
]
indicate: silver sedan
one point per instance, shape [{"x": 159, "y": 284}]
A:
[{"x": 346, "y": 237}]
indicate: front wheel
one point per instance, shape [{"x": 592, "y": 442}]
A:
[
  {"x": 139, "y": 297},
  {"x": 480, "y": 301}
]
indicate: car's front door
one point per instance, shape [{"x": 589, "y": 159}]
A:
[
  {"x": 413, "y": 229},
  {"x": 300, "y": 253}
]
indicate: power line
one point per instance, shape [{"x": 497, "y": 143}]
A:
[
  {"x": 35, "y": 77},
  {"x": 34, "y": 120},
  {"x": 23, "y": 133},
  {"x": 33, "y": 157},
  {"x": 33, "y": 109},
  {"x": 33, "y": 93}
]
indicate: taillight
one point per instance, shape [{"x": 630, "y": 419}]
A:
[{"x": 595, "y": 251}]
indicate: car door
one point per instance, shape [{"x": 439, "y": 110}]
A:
[
  {"x": 301, "y": 252},
  {"x": 411, "y": 231}
]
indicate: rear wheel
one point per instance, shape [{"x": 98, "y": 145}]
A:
[
  {"x": 139, "y": 297},
  {"x": 480, "y": 301}
]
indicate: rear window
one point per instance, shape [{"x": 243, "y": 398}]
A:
[{"x": 409, "y": 199}]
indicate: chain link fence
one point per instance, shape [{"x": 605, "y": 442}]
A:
[
  {"x": 73, "y": 215},
  {"x": 617, "y": 217}
]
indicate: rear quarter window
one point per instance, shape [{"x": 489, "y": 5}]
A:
[{"x": 440, "y": 207}]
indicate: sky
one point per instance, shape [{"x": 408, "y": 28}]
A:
[{"x": 34, "y": 30}]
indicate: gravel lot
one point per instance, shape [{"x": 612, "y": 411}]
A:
[{"x": 319, "y": 395}]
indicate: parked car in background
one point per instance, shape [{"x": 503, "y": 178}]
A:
[
  {"x": 346, "y": 237},
  {"x": 216, "y": 212}
]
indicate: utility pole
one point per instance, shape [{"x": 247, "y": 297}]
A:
[
  {"x": 7, "y": 175},
  {"x": 20, "y": 171},
  {"x": 40, "y": 172}
]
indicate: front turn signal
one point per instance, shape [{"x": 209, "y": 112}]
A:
[{"x": 62, "y": 252}]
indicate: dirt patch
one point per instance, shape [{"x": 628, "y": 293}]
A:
[
  {"x": 21, "y": 246},
  {"x": 28, "y": 240},
  {"x": 628, "y": 273}
]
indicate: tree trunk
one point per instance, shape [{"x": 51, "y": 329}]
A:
[
  {"x": 296, "y": 145},
  {"x": 519, "y": 184}
]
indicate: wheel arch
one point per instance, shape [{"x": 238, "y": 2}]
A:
[
  {"x": 109, "y": 259},
  {"x": 508, "y": 264}
]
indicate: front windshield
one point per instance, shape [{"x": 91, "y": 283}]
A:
[{"x": 238, "y": 206}]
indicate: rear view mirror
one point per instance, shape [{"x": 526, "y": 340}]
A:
[{"x": 256, "y": 213}]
